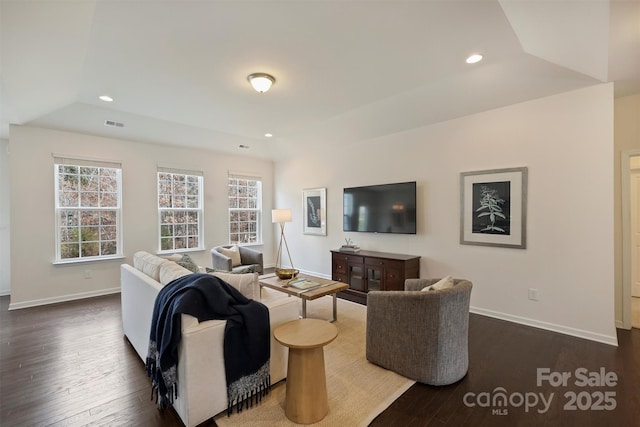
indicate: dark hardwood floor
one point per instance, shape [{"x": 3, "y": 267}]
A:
[{"x": 68, "y": 364}]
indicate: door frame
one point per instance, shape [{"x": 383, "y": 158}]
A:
[{"x": 625, "y": 168}]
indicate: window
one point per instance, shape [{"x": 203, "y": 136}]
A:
[
  {"x": 180, "y": 210},
  {"x": 245, "y": 209},
  {"x": 88, "y": 209}
]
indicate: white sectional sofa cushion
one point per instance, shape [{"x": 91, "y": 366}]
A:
[
  {"x": 170, "y": 271},
  {"x": 202, "y": 388},
  {"x": 149, "y": 264}
]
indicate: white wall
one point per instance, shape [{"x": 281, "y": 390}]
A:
[
  {"x": 35, "y": 280},
  {"x": 566, "y": 141},
  {"x": 5, "y": 255}
]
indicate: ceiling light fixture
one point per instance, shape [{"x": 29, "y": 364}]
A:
[
  {"x": 476, "y": 57},
  {"x": 268, "y": 135},
  {"x": 106, "y": 98},
  {"x": 261, "y": 82}
]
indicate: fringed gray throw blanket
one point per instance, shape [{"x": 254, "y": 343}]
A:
[{"x": 247, "y": 341}]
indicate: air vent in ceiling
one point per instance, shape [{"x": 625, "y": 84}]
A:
[{"x": 113, "y": 123}]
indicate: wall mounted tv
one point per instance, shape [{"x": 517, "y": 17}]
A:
[{"x": 386, "y": 208}]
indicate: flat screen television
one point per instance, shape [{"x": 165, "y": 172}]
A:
[{"x": 385, "y": 208}]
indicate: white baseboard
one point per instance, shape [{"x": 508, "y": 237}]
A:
[
  {"x": 63, "y": 298},
  {"x": 605, "y": 339},
  {"x": 313, "y": 273},
  {"x": 5, "y": 292}
]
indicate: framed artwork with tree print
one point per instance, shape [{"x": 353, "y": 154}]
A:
[
  {"x": 493, "y": 208},
  {"x": 314, "y": 207}
]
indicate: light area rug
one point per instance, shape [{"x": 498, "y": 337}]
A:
[{"x": 358, "y": 391}]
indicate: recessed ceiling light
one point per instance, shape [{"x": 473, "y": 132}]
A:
[
  {"x": 476, "y": 57},
  {"x": 106, "y": 98},
  {"x": 268, "y": 135}
]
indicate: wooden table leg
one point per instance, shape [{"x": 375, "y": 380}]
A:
[
  {"x": 306, "y": 400},
  {"x": 335, "y": 307}
]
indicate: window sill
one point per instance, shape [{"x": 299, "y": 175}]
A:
[
  {"x": 86, "y": 260},
  {"x": 181, "y": 251}
]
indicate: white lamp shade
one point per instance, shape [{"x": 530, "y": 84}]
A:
[
  {"x": 261, "y": 82},
  {"x": 281, "y": 215}
]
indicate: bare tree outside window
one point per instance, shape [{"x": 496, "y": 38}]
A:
[
  {"x": 87, "y": 211},
  {"x": 245, "y": 208},
  {"x": 180, "y": 210}
]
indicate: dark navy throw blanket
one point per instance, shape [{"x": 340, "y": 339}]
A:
[{"x": 247, "y": 341}]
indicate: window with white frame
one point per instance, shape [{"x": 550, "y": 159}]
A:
[
  {"x": 88, "y": 209},
  {"x": 180, "y": 210},
  {"x": 245, "y": 209}
]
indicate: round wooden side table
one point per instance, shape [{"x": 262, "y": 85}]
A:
[{"x": 306, "y": 398}]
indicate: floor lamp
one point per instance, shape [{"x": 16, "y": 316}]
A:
[{"x": 281, "y": 216}]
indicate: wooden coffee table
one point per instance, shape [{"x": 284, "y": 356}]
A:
[
  {"x": 306, "y": 400},
  {"x": 327, "y": 287}
]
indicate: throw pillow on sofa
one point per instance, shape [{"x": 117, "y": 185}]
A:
[
  {"x": 247, "y": 283},
  {"x": 188, "y": 263},
  {"x": 444, "y": 283}
]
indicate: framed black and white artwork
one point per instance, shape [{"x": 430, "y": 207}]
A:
[
  {"x": 493, "y": 208},
  {"x": 314, "y": 207}
]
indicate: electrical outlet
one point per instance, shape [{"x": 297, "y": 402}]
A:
[
  {"x": 533, "y": 294},
  {"x": 87, "y": 274}
]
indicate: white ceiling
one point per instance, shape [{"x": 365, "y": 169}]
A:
[{"x": 345, "y": 70}]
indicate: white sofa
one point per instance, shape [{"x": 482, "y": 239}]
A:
[{"x": 202, "y": 387}]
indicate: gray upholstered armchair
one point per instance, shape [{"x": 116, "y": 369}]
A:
[
  {"x": 249, "y": 260},
  {"x": 422, "y": 335}
]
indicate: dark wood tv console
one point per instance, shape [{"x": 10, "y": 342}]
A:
[{"x": 366, "y": 271}]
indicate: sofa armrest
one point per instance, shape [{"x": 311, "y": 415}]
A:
[
  {"x": 415, "y": 313},
  {"x": 137, "y": 295},
  {"x": 408, "y": 321},
  {"x": 220, "y": 261},
  {"x": 202, "y": 388}
]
